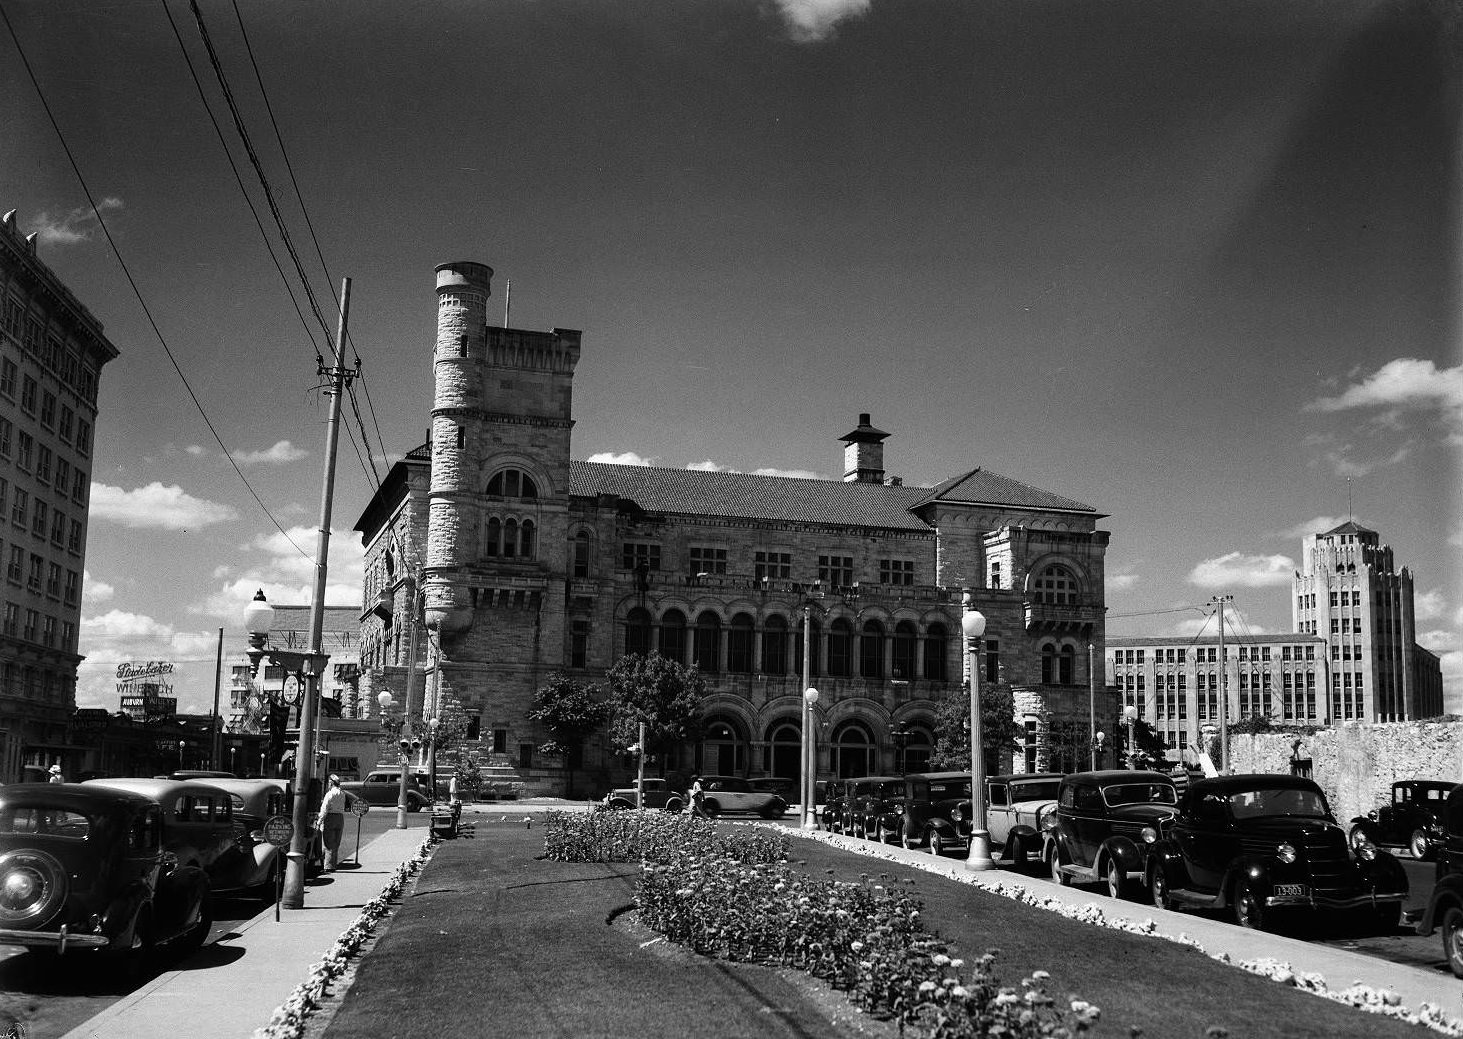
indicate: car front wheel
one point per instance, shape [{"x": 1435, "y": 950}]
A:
[
  {"x": 1249, "y": 908},
  {"x": 1452, "y": 928},
  {"x": 935, "y": 845},
  {"x": 1117, "y": 880},
  {"x": 1419, "y": 846},
  {"x": 1018, "y": 855},
  {"x": 1055, "y": 865},
  {"x": 910, "y": 843},
  {"x": 1158, "y": 889},
  {"x": 674, "y": 805}
]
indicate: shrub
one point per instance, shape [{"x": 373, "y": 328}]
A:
[{"x": 633, "y": 836}]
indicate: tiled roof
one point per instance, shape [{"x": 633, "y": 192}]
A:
[
  {"x": 1349, "y": 527},
  {"x": 780, "y": 498},
  {"x": 982, "y": 487},
  {"x": 746, "y": 496}
]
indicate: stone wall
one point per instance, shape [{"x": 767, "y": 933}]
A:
[{"x": 1356, "y": 764}]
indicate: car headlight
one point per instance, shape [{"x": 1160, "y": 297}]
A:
[
  {"x": 1367, "y": 852},
  {"x": 1285, "y": 852},
  {"x": 956, "y": 815},
  {"x": 1149, "y": 835}
]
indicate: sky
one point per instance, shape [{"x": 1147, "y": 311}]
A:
[{"x": 1196, "y": 265}]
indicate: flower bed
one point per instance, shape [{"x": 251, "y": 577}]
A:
[
  {"x": 630, "y": 836},
  {"x": 288, "y": 1020}
]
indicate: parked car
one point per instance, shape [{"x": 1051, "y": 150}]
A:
[
  {"x": 1101, "y": 824},
  {"x": 1444, "y": 911},
  {"x": 250, "y": 869},
  {"x": 879, "y": 814},
  {"x": 734, "y": 794},
  {"x": 1262, "y": 844},
  {"x": 856, "y": 798},
  {"x": 657, "y": 795},
  {"x": 383, "y": 787},
  {"x": 1414, "y": 819},
  {"x": 194, "y": 773},
  {"x": 940, "y": 820},
  {"x": 198, "y": 817},
  {"x": 86, "y": 867},
  {"x": 1016, "y": 807},
  {"x": 830, "y": 805}
]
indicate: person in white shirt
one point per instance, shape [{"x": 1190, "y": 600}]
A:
[{"x": 331, "y": 820}]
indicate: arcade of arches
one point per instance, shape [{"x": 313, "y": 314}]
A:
[{"x": 846, "y": 749}]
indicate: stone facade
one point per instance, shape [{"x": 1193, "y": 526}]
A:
[
  {"x": 1356, "y": 764},
  {"x": 51, "y": 355},
  {"x": 530, "y": 563}
]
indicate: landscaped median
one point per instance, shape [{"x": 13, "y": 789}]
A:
[{"x": 501, "y": 935}]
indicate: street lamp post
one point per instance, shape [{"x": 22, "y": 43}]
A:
[
  {"x": 1092, "y": 708},
  {"x": 181, "y": 745},
  {"x": 972, "y": 624},
  {"x": 1097, "y": 742},
  {"x": 810, "y": 755},
  {"x": 1130, "y": 715}
]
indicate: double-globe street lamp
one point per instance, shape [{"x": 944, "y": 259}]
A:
[
  {"x": 972, "y": 624},
  {"x": 307, "y": 669}
]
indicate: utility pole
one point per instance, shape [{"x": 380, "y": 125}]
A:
[
  {"x": 340, "y": 378},
  {"x": 1219, "y": 601},
  {"x": 215, "y": 751}
]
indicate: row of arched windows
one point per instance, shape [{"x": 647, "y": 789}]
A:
[
  {"x": 776, "y": 647},
  {"x": 510, "y": 538}
]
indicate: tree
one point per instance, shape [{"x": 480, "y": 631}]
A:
[
  {"x": 1000, "y": 732},
  {"x": 570, "y": 712},
  {"x": 1150, "y": 745},
  {"x": 663, "y": 694}
]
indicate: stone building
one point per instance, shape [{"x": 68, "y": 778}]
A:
[
  {"x": 51, "y": 355},
  {"x": 527, "y": 562}
]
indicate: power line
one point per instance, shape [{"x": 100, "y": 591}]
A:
[{"x": 132, "y": 282}]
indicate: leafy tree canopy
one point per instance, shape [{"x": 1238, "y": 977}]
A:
[
  {"x": 999, "y": 730},
  {"x": 658, "y": 691},
  {"x": 569, "y": 711}
]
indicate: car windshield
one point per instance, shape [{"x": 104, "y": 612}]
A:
[
  {"x": 1043, "y": 791},
  {"x": 1254, "y": 804},
  {"x": 1139, "y": 793},
  {"x": 944, "y": 789},
  {"x": 49, "y": 822}
]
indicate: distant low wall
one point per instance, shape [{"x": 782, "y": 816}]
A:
[{"x": 1357, "y": 763}]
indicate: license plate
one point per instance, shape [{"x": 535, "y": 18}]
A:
[{"x": 1289, "y": 891}]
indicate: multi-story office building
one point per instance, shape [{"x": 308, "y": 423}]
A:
[
  {"x": 1349, "y": 592},
  {"x": 527, "y": 563},
  {"x": 250, "y": 694},
  {"x": 51, "y": 355}
]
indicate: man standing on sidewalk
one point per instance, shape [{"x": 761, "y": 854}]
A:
[{"x": 331, "y": 820}]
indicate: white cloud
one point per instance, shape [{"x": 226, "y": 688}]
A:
[
  {"x": 280, "y": 454},
  {"x": 1317, "y": 525},
  {"x": 708, "y": 466},
  {"x": 1237, "y": 625},
  {"x": 1439, "y": 640},
  {"x": 156, "y": 506},
  {"x": 95, "y": 591},
  {"x": 69, "y": 228},
  {"x": 116, "y": 636},
  {"x": 1121, "y": 582},
  {"x": 809, "y": 21},
  {"x": 196, "y": 450},
  {"x": 1343, "y": 464},
  {"x": 1430, "y": 605},
  {"x": 1237, "y": 570},
  {"x": 1406, "y": 383},
  {"x": 628, "y": 458},
  {"x": 287, "y": 577},
  {"x": 794, "y": 474}
]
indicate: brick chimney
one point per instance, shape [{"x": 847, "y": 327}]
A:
[{"x": 863, "y": 453}]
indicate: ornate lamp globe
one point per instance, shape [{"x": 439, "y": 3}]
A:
[{"x": 258, "y": 615}]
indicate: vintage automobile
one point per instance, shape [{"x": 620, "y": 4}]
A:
[
  {"x": 1101, "y": 825},
  {"x": 1260, "y": 845},
  {"x": 1016, "y": 807},
  {"x": 249, "y": 869},
  {"x": 86, "y": 867},
  {"x": 722, "y": 794},
  {"x": 657, "y": 795},
  {"x": 879, "y": 813},
  {"x": 918, "y": 810},
  {"x": 382, "y": 786},
  {"x": 198, "y": 817},
  {"x": 857, "y": 794},
  {"x": 787, "y": 789},
  {"x": 1414, "y": 819},
  {"x": 830, "y": 804},
  {"x": 1444, "y": 911}
]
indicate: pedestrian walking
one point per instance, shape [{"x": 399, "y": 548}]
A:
[
  {"x": 56, "y": 776},
  {"x": 331, "y": 820},
  {"x": 698, "y": 795}
]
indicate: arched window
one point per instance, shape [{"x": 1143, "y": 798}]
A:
[
  {"x": 774, "y": 645},
  {"x": 904, "y": 643},
  {"x": 525, "y": 540},
  {"x": 724, "y": 750},
  {"x": 495, "y": 536},
  {"x": 936, "y": 645},
  {"x": 871, "y": 650},
  {"x": 512, "y": 483},
  {"x": 582, "y": 546},
  {"x": 917, "y": 749},
  {"x": 510, "y": 539},
  {"x": 797, "y": 647},
  {"x": 1048, "y": 663},
  {"x": 708, "y": 642},
  {"x": 673, "y": 636},
  {"x": 852, "y": 751},
  {"x": 739, "y": 641},
  {"x": 1056, "y": 585},
  {"x": 637, "y": 631},
  {"x": 785, "y": 741},
  {"x": 1067, "y": 666},
  {"x": 840, "y": 648}
]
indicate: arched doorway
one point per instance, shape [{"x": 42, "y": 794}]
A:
[
  {"x": 852, "y": 750},
  {"x": 723, "y": 748},
  {"x": 785, "y": 751}
]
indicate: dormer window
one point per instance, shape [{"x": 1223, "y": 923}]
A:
[{"x": 512, "y": 483}]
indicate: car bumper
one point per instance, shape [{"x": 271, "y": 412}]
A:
[
  {"x": 61, "y": 940},
  {"x": 1314, "y": 901}
]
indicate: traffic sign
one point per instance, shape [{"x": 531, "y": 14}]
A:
[
  {"x": 360, "y": 807},
  {"x": 278, "y": 829}
]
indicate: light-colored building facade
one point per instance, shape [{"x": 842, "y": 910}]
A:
[
  {"x": 250, "y": 694},
  {"x": 1349, "y": 592},
  {"x": 52, "y": 351},
  {"x": 528, "y": 563}
]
